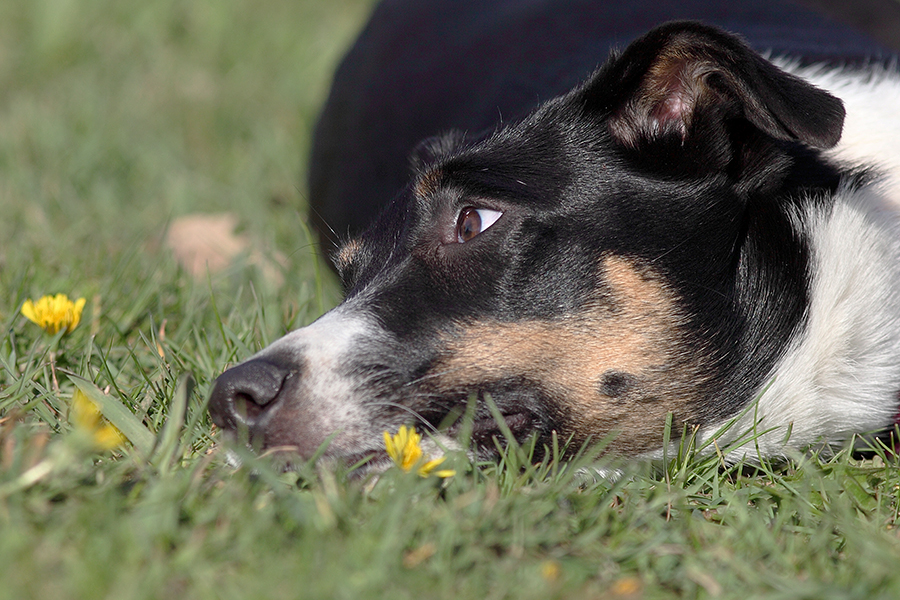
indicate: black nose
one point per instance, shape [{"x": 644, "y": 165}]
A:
[{"x": 242, "y": 394}]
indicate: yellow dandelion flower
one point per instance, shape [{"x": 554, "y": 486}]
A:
[
  {"x": 87, "y": 418},
  {"x": 626, "y": 586},
  {"x": 54, "y": 313},
  {"x": 551, "y": 570},
  {"x": 405, "y": 451}
]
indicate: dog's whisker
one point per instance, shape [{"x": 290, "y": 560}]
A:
[{"x": 409, "y": 410}]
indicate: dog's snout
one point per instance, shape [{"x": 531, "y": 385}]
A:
[{"x": 242, "y": 394}]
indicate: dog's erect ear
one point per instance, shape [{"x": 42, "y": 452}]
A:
[{"x": 686, "y": 80}]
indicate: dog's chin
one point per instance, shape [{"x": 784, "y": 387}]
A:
[
  {"x": 285, "y": 458},
  {"x": 358, "y": 465},
  {"x": 362, "y": 463}
]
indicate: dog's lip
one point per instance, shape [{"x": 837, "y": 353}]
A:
[
  {"x": 376, "y": 460},
  {"x": 369, "y": 462},
  {"x": 484, "y": 428},
  {"x": 357, "y": 464},
  {"x": 364, "y": 459}
]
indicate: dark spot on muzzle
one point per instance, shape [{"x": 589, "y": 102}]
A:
[
  {"x": 616, "y": 384},
  {"x": 243, "y": 394}
]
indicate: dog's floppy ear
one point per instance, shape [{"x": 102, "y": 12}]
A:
[
  {"x": 432, "y": 148},
  {"x": 689, "y": 84}
]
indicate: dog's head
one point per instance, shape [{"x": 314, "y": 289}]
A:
[{"x": 608, "y": 260}]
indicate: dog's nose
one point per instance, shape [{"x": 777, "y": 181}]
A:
[{"x": 242, "y": 394}]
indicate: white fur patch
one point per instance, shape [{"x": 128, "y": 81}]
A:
[
  {"x": 841, "y": 375},
  {"x": 871, "y": 134},
  {"x": 322, "y": 348}
]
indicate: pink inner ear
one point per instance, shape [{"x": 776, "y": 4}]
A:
[
  {"x": 664, "y": 105},
  {"x": 672, "y": 113},
  {"x": 672, "y": 109}
]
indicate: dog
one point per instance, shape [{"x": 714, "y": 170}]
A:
[{"x": 694, "y": 237}]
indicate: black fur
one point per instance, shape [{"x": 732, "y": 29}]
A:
[{"x": 423, "y": 67}]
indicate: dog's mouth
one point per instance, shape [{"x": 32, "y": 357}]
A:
[
  {"x": 485, "y": 429},
  {"x": 485, "y": 439},
  {"x": 483, "y": 433},
  {"x": 362, "y": 464}
]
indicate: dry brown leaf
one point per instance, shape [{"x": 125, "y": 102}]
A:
[{"x": 204, "y": 243}]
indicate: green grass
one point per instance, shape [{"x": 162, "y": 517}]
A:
[{"x": 115, "y": 120}]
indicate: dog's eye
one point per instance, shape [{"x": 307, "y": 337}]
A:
[{"x": 472, "y": 221}]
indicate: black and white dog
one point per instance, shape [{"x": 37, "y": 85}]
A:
[{"x": 693, "y": 230}]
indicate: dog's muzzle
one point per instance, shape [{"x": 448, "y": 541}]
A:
[{"x": 301, "y": 390}]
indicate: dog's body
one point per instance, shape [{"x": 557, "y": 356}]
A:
[{"x": 683, "y": 234}]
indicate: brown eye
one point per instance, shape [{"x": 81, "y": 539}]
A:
[{"x": 472, "y": 221}]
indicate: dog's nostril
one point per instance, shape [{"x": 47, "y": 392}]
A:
[
  {"x": 247, "y": 407},
  {"x": 242, "y": 394}
]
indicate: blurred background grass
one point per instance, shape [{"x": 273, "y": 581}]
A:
[
  {"x": 119, "y": 119},
  {"x": 116, "y": 118}
]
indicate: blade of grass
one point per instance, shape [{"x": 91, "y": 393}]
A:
[
  {"x": 123, "y": 419},
  {"x": 168, "y": 440}
]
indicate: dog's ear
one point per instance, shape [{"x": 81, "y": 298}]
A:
[
  {"x": 693, "y": 86},
  {"x": 432, "y": 148}
]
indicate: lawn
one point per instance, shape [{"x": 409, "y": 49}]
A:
[{"x": 129, "y": 131}]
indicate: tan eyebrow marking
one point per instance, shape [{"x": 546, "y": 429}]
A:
[
  {"x": 427, "y": 183},
  {"x": 346, "y": 253}
]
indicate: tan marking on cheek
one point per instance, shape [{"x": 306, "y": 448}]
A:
[{"x": 630, "y": 332}]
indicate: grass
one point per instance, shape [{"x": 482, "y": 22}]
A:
[{"x": 116, "y": 120}]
